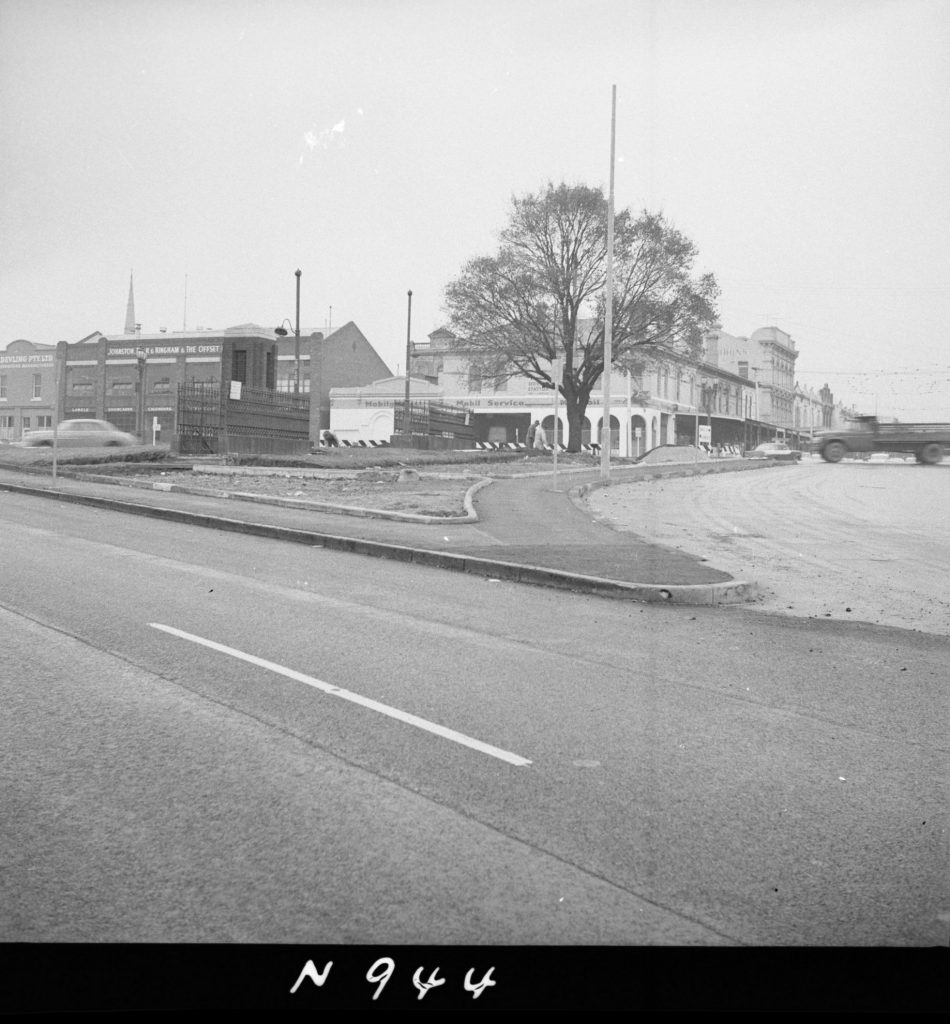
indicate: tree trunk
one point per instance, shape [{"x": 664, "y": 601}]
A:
[{"x": 575, "y": 410}]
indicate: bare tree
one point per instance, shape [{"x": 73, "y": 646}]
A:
[{"x": 542, "y": 295}]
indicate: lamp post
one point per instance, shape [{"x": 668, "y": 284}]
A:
[
  {"x": 406, "y": 425},
  {"x": 609, "y": 301},
  {"x": 297, "y": 274},
  {"x": 281, "y": 332},
  {"x": 140, "y": 412}
]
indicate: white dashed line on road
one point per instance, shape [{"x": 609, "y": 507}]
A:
[{"x": 355, "y": 698}]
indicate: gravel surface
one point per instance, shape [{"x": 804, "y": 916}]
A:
[
  {"x": 855, "y": 543},
  {"x": 421, "y": 494}
]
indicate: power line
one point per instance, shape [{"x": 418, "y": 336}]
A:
[{"x": 876, "y": 373}]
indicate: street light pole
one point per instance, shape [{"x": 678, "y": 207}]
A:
[
  {"x": 609, "y": 303},
  {"x": 297, "y": 340},
  {"x": 406, "y": 423},
  {"x": 140, "y": 359}
]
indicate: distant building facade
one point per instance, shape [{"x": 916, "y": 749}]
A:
[
  {"x": 27, "y": 388},
  {"x": 128, "y": 378},
  {"x": 664, "y": 402},
  {"x": 767, "y": 359}
]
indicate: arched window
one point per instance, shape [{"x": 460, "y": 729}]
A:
[{"x": 614, "y": 432}]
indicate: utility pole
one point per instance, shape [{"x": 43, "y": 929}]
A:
[
  {"x": 297, "y": 340},
  {"x": 406, "y": 423},
  {"x": 609, "y": 314}
]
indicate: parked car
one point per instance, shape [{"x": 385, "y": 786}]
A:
[
  {"x": 774, "y": 450},
  {"x": 79, "y": 434}
]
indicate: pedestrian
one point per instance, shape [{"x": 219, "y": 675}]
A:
[
  {"x": 532, "y": 430},
  {"x": 330, "y": 439},
  {"x": 540, "y": 439}
]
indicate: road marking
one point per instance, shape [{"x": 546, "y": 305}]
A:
[{"x": 355, "y": 698}]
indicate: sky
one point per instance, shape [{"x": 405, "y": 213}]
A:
[{"x": 213, "y": 147}]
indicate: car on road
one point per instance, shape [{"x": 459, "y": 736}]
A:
[
  {"x": 79, "y": 434},
  {"x": 774, "y": 450}
]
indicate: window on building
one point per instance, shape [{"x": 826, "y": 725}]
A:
[
  {"x": 37, "y": 385},
  {"x": 743, "y": 369},
  {"x": 3, "y": 385},
  {"x": 239, "y": 365},
  {"x": 121, "y": 385},
  {"x": 26, "y": 423},
  {"x": 269, "y": 370},
  {"x": 285, "y": 384},
  {"x": 162, "y": 386},
  {"x": 44, "y": 422},
  {"x": 82, "y": 386}
]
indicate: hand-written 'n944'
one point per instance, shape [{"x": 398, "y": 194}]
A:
[{"x": 384, "y": 968}]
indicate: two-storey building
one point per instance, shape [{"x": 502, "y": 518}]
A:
[
  {"x": 664, "y": 399},
  {"x": 27, "y": 388}
]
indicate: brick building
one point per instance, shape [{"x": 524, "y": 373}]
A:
[
  {"x": 27, "y": 388},
  {"x": 132, "y": 380}
]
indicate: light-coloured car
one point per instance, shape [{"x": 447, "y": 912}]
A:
[
  {"x": 774, "y": 450},
  {"x": 79, "y": 434}
]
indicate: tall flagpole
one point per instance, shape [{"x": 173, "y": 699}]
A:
[{"x": 609, "y": 299}]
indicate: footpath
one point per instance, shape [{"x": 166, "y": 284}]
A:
[{"x": 518, "y": 528}]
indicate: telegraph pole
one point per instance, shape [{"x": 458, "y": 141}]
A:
[
  {"x": 297, "y": 273},
  {"x": 406, "y": 424},
  {"x": 609, "y": 313}
]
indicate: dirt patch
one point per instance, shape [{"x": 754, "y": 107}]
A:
[{"x": 427, "y": 495}]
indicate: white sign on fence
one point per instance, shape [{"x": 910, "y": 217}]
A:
[{"x": 705, "y": 435}]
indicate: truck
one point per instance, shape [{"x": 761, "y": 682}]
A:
[{"x": 865, "y": 434}]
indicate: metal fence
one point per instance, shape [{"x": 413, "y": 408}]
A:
[
  {"x": 257, "y": 421},
  {"x": 443, "y": 426}
]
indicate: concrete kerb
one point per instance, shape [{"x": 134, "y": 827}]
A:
[
  {"x": 667, "y": 471},
  {"x": 728, "y": 592},
  {"x": 470, "y": 516},
  {"x": 687, "y": 594}
]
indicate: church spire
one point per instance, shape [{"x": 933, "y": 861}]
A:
[{"x": 130, "y": 310}]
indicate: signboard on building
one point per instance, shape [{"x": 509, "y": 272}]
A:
[
  {"x": 36, "y": 359},
  {"x": 163, "y": 350}
]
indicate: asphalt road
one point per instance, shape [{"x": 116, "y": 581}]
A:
[{"x": 427, "y": 757}]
